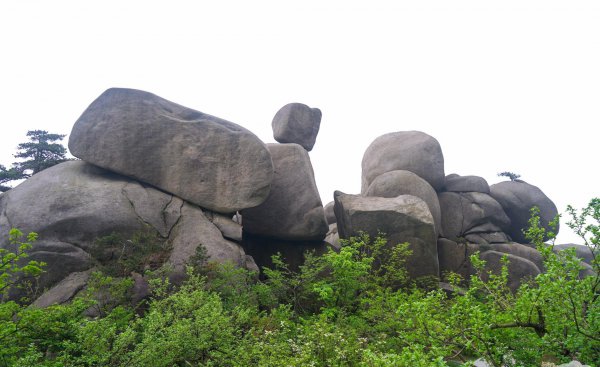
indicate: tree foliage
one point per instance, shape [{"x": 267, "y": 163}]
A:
[
  {"x": 39, "y": 153},
  {"x": 355, "y": 307},
  {"x": 511, "y": 175}
]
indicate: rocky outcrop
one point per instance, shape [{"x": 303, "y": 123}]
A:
[
  {"x": 396, "y": 183},
  {"x": 412, "y": 151},
  {"x": 518, "y": 198},
  {"x": 405, "y": 218},
  {"x": 297, "y": 123},
  {"x": 200, "y": 158},
  {"x": 293, "y": 209},
  {"x": 473, "y": 214},
  {"x": 73, "y": 204}
]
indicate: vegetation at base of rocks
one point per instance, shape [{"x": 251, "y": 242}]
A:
[
  {"x": 119, "y": 255},
  {"x": 355, "y": 307},
  {"x": 39, "y": 153},
  {"x": 511, "y": 175}
]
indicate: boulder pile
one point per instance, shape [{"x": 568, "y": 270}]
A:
[{"x": 195, "y": 180}]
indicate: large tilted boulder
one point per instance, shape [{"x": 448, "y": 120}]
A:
[
  {"x": 517, "y": 198},
  {"x": 396, "y": 183},
  {"x": 297, "y": 123},
  {"x": 405, "y": 218},
  {"x": 412, "y": 151},
  {"x": 293, "y": 209},
  {"x": 200, "y": 158},
  {"x": 473, "y": 214},
  {"x": 74, "y": 203}
]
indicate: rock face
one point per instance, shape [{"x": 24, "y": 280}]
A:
[
  {"x": 74, "y": 203},
  {"x": 517, "y": 198},
  {"x": 329, "y": 213},
  {"x": 412, "y": 151},
  {"x": 475, "y": 214},
  {"x": 205, "y": 160},
  {"x": 395, "y": 183},
  {"x": 519, "y": 269},
  {"x": 297, "y": 123},
  {"x": 402, "y": 219},
  {"x": 456, "y": 183},
  {"x": 293, "y": 209}
]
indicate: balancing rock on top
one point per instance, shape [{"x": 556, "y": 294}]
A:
[
  {"x": 412, "y": 151},
  {"x": 517, "y": 198},
  {"x": 203, "y": 159},
  {"x": 297, "y": 123}
]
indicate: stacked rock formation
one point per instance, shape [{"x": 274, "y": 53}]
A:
[
  {"x": 150, "y": 164},
  {"x": 406, "y": 195}
]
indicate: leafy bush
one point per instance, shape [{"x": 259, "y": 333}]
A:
[{"x": 355, "y": 307}]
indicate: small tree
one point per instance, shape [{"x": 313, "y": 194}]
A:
[
  {"x": 39, "y": 153},
  {"x": 511, "y": 175}
]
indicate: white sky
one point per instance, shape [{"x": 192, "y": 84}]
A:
[{"x": 503, "y": 85}]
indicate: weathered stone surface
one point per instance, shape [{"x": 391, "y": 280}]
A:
[
  {"x": 74, "y": 203},
  {"x": 454, "y": 257},
  {"x": 456, "y": 183},
  {"x": 194, "y": 230},
  {"x": 517, "y": 198},
  {"x": 329, "y": 213},
  {"x": 412, "y": 151},
  {"x": 333, "y": 237},
  {"x": 208, "y": 161},
  {"x": 519, "y": 269},
  {"x": 64, "y": 291},
  {"x": 402, "y": 219},
  {"x": 396, "y": 183},
  {"x": 486, "y": 238},
  {"x": 520, "y": 250},
  {"x": 470, "y": 213},
  {"x": 297, "y": 123},
  {"x": 293, "y": 209},
  {"x": 228, "y": 227}
]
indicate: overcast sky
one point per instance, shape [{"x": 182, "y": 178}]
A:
[{"x": 502, "y": 85}]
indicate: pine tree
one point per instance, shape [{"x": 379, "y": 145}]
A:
[{"x": 39, "y": 153}]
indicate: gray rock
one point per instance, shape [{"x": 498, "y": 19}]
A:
[
  {"x": 329, "y": 213},
  {"x": 573, "y": 364},
  {"x": 208, "y": 161},
  {"x": 396, "y": 183},
  {"x": 583, "y": 252},
  {"x": 293, "y": 209},
  {"x": 333, "y": 237},
  {"x": 402, "y": 219},
  {"x": 517, "y": 198},
  {"x": 520, "y": 250},
  {"x": 486, "y": 238},
  {"x": 519, "y": 269},
  {"x": 297, "y": 123},
  {"x": 64, "y": 291},
  {"x": 228, "y": 227},
  {"x": 471, "y": 213},
  {"x": 412, "y": 151},
  {"x": 194, "y": 230},
  {"x": 455, "y": 257},
  {"x": 74, "y": 203},
  {"x": 456, "y": 183}
]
